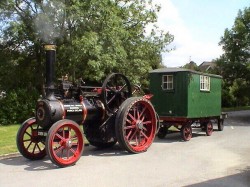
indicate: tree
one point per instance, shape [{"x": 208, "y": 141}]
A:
[
  {"x": 93, "y": 38},
  {"x": 191, "y": 65},
  {"x": 234, "y": 64}
]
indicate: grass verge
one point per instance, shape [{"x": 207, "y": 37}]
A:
[{"x": 8, "y": 139}]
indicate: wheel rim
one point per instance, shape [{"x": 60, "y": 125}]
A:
[
  {"x": 187, "y": 133},
  {"x": 66, "y": 144},
  {"x": 115, "y": 90},
  {"x": 209, "y": 129},
  {"x": 139, "y": 126},
  {"x": 29, "y": 143}
]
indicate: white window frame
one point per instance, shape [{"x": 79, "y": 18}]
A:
[
  {"x": 204, "y": 83},
  {"x": 167, "y": 82}
]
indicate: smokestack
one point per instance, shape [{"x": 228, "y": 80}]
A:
[{"x": 50, "y": 51}]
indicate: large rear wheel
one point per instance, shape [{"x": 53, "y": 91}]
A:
[
  {"x": 29, "y": 143},
  {"x": 64, "y": 143},
  {"x": 136, "y": 125}
]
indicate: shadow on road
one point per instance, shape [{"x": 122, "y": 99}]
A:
[
  {"x": 242, "y": 179},
  {"x": 46, "y": 164},
  {"x": 174, "y": 137},
  {"x": 30, "y": 165}
]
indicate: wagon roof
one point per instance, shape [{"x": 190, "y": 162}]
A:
[{"x": 173, "y": 70}]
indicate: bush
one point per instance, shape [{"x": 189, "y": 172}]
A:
[{"x": 17, "y": 106}]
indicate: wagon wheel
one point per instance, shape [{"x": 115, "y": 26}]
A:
[
  {"x": 29, "y": 143},
  {"x": 64, "y": 143},
  {"x": 186, "y": 132},
  {"x": 136, "y": 125},
  {"x": 220, "y": 124},
  {"x": 209, "y": 128},
  {"x": 162, "y": 132},
  {"x": 115, "y": 89}
]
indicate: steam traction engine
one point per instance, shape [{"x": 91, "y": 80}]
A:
[{"x": 108, "y": 114}]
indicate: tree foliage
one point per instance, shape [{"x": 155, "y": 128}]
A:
[
  {"x": 234, "y": 64},
  {"x": 93, "y": 38}
]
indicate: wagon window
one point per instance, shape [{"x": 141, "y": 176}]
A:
[
  {"x": 204, "y": 83},
  {"x": 167, "y": 82}
]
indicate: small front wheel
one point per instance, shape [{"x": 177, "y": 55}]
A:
[
  {"x": 29, "y": 143},
  {"x": 64, "y": 143}
]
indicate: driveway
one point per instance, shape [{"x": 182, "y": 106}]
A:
[{"x": 222, "y": 160}]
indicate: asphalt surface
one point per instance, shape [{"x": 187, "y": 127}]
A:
[{"x": 222, "y": 160}]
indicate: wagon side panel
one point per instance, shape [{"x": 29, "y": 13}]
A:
[
  {"x": 204, "y": 96},
  {"x": 172, "y": 102}
]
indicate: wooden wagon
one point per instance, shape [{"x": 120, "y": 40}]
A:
[{"x": 184, "y": 98}]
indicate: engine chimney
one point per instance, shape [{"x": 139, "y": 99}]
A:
[{"x": 50, "y": 51}]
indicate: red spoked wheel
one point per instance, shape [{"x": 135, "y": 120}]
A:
[
  {"x": 29, "y": 143},
  {"x": 209, "y": 128},
  {"x": 186, "y": 132},
  {"x": 136, "y": 125},
  {"x": 64, "y": 143}
]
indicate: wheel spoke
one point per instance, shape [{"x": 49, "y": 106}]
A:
[
  {"x": 27, "y": 140},
  {"x": 127, "y": 137},
  {"x": 132, "y": 117},
  {"x": 122, "y": 87},
  {"x": 73, "y": 151},
  {"x": 130, "y": 122},
  {"x": 29, "y": 145},
  {"x": 58, "y": 149},
  {"x": 129, "y": 127},
  {"x": 34, "y": 148},
  {"x": 143, "y": 110},
  {"x": 144, "y": 135},
  {"x": 75, "y": 144},
  {"x": 114, "y": 96},
  {"x": 147, "y": 122},
  {"x": 59, "y": 136},
  {"x": 132, "y": 137},
  {"x": 74, "y": 138},
  {"x": 136, "y": 140},
  {"x": 28, "y": 134},
  {"x": 39, "y": 147}
]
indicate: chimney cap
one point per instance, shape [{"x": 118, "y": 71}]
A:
[{"x": 50, "y": 47}]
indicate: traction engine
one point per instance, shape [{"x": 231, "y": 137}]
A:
[{"x": 109, "y": 114}]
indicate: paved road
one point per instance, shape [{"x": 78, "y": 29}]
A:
[{"x": 222, "y": 160}]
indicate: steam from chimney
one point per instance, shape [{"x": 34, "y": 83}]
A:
[{"x": 47, "y": 22}]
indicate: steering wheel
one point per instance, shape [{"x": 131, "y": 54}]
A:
[{"x": 116, "y": 88}]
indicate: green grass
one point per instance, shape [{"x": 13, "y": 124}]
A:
[{"x": 8, "y": 139}]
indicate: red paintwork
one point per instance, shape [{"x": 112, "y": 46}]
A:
[
  {"x": 148, "y": 96},
  {"x": 140, "y": 126}
]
